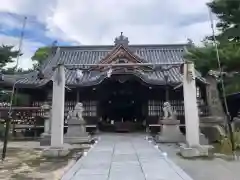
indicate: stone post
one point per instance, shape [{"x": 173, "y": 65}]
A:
[
  {"x": 213, "y": 99},
  {"x": 192, "y": 147},
  {"x": 57, "y": 123},
  {"x": 190, "y": 105},
  {"x": 213, "y": 124}
]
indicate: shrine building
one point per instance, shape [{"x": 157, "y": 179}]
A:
[{"x": 114, "y": 97}]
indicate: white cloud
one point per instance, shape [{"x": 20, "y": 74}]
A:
[
  {"x": 100, "y": 21},
  {"x": 28, "y": 7},
  {"x": 143, "y": 21},
  {"x": 28, "y": 49}
]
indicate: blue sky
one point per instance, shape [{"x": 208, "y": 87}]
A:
[{"x": 74, "y": 22}]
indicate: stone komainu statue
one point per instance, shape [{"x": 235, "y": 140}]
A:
[
  {"x": 76, "y": 132},
  {"x": 168, "y": 111},
  {"x": 77, "y": 113}
]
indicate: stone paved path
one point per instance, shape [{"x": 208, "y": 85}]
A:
[
  {"x": 125, "y": 156},
  {"x": 203, "y": 169}
]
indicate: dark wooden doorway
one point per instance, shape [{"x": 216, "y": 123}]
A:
[{"x": 121, "y": 105}]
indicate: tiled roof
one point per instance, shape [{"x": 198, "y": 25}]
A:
[{"x": 94, "y": 54}]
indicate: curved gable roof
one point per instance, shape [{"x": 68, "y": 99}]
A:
[{"x": 97, "y": 54}]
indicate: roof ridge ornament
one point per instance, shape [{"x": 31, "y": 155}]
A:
[{"x": 121, "y": 40}]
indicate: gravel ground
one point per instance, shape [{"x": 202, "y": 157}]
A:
[
  {"x": 24, "y": 162},
  {"x": 204, "y": 169}
]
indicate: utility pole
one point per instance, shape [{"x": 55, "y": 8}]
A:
[
  {"x": 21, "y": 41},
  {"x": 9, "y": 117},
  {"x": 230, "y": 129}
]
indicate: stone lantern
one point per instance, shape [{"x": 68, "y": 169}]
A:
[{"x": 46, "y": 135}]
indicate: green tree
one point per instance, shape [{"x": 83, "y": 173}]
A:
[
  {"x": 228, "y": 13},
  {"x": 205, "y": 57},
  {"x": 7, "y": 55},
  {"x": 232, "y": 84},
  {"x": 40, "y": 56}
]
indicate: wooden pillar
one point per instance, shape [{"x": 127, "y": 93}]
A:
[
  {"x": 166, "y": 89},
  {"x": 78, "y": 95}
]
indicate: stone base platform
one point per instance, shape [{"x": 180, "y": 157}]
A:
[
  {"x": 45, "y": 139},
  {"x": 169, "y": 122},
  {"x": 76, "y": 133},
  {"x": 212, "y": 120},
  {"x": 55, "y": 152},
  {"x": 179, "y": 139},
  {"x": 78, "y": 140},
  {"x": 170, "y": 132},
  {"x": 194, "y": 152},
  {"x": 203, "y": 140}
]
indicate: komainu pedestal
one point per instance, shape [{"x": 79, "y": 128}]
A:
[
  {"x": 76, "y": 132},
  {"x": 170, "y": 132}
]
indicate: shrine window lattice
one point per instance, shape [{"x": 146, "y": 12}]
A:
[
  {"x": 90, "y": 108},
  {"x": 155, "y": 108}
]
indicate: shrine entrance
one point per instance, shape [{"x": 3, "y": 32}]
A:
[{"x": 121, "y": 106}]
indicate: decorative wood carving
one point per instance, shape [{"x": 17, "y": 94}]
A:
[{"x": 121, "y": 54}]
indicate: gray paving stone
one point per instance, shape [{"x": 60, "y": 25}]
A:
[
  {"x": 92, "y": 177},
  {"x": 126, "y": 164},
  {"x": 125, "y": 157},
  {"x": 95, "y": 164},
  {"x": 122, "y": 176},
  {"x": 126, "y": 169},
  {"x": 91, "y": 171}
]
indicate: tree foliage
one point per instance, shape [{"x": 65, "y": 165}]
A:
[
  {"x": 205, "y": 57},
  {"x": 40, "y": 56},
  {"x": 228, "y": 13},
  {"x": 228, "y": 42},
  {"x": 7, "y": 55},
  {"x": 232, "y": 84}
]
